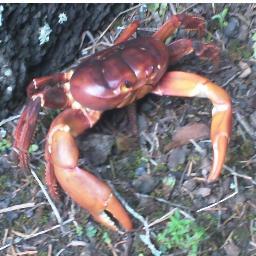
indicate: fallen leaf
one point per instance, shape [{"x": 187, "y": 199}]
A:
[{"x": 184, "y": 134}]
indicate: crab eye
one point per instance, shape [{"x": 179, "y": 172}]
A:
[
  {"x": 128, "y": 84},
  {"x": 125, "y": 86}
]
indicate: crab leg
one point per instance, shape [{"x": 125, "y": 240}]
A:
[
  {"x": 127, "y": 33},
  {"x": 192, "y": 85},
  {"x": 189, "y": 22},
  {"x": 41, "y": 95},
  {"x": 182, "y": 47},
  {"x": 62, "y": 165}
]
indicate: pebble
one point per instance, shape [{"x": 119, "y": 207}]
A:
[
  {"x": 145, "y": 184},
  {"x": 98, "y": 147},
  {"x": 177, "y": 156},
  {"x": 140, "y": 171},
  {"x": 232, "y": 29},
  {"x": 243, "y": 33},
  {"x": 203, "y": 192},
  {"x": 189, "y": 185}
]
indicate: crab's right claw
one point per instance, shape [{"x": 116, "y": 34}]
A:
[
  {"x": 24, "y": 131},
  {"x": 84, "y": 188},
  {"x": 95, "y": 196}
]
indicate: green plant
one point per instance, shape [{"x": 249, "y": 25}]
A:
[
  {"x": 221, "y": 17},
  {"x": 161, "y": 8},
  {"x": 181, "y": 233},
  {"x": 91, "y": 231},
  {"x": 79, "y": 230},
  {"x": 33, "y": 148},
  {"x": 4, "y": 144},
  {"x": 106, "y": 238}
]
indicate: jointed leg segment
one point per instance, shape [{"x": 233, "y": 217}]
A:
[{"x": 192, "y": 85}]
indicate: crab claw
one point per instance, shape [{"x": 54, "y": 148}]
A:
[
  {"x": 25, "y": 129},
  {"x": 94, "y": 195},
  {"x": 84, "y": 188},
  {"x": 191, "y": 85}
]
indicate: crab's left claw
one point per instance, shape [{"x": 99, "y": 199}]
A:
[{"x": 192, "y": 85}]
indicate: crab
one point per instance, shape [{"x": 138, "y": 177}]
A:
[{"x": 109, "y": 79}]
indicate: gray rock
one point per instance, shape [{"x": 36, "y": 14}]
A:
[
  {"x": 232, "y": 29},
  {"x": 145, "y": 184},
  {"x": 97, "y": 147},
  {"x": 177, "y": 156}
]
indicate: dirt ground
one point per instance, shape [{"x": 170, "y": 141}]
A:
[{"x": 160, "y": 174}]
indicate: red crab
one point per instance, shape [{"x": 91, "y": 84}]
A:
[{"x": 114, "y": 78}]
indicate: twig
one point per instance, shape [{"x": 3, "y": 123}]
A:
[
  {"x": 37, "y": 234},
  {"x": 17, "y": 207},
  {"x": 224, "y": 199},
  {"x": 9, "y": 119},
  {"x": 231, "y": 79},
  {"x": 161, "y": 200},
  {"x": 221, "y": 201},
  {"x": 54, "y": 208},
  {"x": 144, "y": 238},
  {"x": 245, "y": 125},
  {"x": 188, "y": 8},
  {"x": 233, "y": 172}
]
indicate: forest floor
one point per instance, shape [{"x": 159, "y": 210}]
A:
[{"x": 161, "y": 174}]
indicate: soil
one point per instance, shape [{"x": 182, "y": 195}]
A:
[{"x": 151, "y": 175}]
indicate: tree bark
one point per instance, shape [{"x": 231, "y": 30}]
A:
[{"x": 22, "y": 57}]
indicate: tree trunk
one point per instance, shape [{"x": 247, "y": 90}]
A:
[{"x": 24, "y": 54}]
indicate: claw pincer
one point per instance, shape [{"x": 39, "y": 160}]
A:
[{"x": 114, "y": 78}]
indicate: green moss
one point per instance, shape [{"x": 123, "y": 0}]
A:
[
  {"x": 4, "y": 145},
  {"x": 162, "y": 167},
  {"x": 238, "y": 50},
  {"x": 3, "y": 182}
]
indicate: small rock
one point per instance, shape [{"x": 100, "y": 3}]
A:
[
  {"x": 189, "y": 185},
  {"x": 4, "y": 164},
  {"x": 212, "y": 199},
  {"x": 232, "y": 29},
  {"x": 145, "y": 184},
  {"x": 140, "y": 171},
  {"x": 231, "y": 249},
  {"x": 243, "y": 33},
  {"x": 203, "y": 192},
  {"x": 177, "y": 156},
  {"x": 98, "y": 147},
  {"x": 11, "y": 216}
]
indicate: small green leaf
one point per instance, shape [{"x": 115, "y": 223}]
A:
[
  {"x": 221, "y": 18},
  {"x": 106, "y": 238},
  {"x": 33, "y": 148},
  {"x": 153, "y": 7},
  {"x": 91, "y": 231},
  {"x": 79, "y": 231}
]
